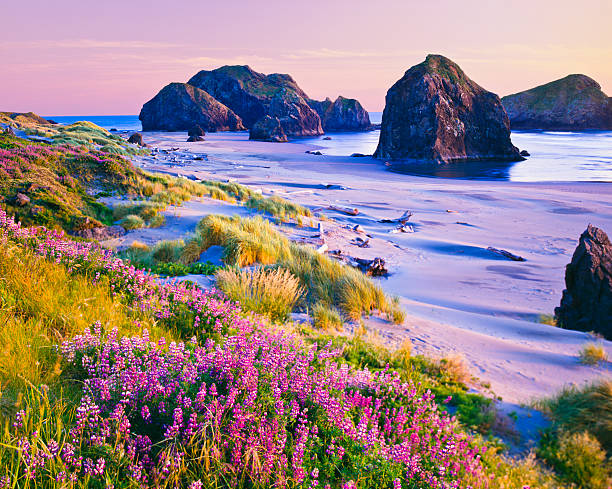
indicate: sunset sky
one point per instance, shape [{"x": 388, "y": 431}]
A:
[{"x": 109, "y": 57}]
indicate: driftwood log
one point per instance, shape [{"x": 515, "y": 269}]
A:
[
  {"x": 506, "y": 254},
  {"x": 345, "y": 210},
  {"x": 374, "y": 268},
  {"x": 403, "y": 219}
]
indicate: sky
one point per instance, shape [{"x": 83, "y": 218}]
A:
[{"x": 108, "y": 57}]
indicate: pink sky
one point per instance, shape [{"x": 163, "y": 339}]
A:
[{"x": 109, "y": 57}]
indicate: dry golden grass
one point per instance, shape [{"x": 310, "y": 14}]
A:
[
  {"x": 273, "y": 292},
  {"x": 592, "y": 354},
  {"x": 456, "y": 369}
]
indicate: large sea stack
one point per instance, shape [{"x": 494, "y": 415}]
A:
[
  {"x": 435, "y": 113},
  {"x": 344, "y": 114},
  {"x": 179, "y": 106},
  {"x": 252, "y": 95},
  {"x": 586, "y": 304},
  {"x": 573, "y": 103}
]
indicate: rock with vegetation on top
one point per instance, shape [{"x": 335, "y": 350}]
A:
[
  {"x": 345, "y": 114},
  {"x": 253, "y": 95},
  {"x": 436, "y": 114},
  {"x": 573, "y": 103},
  {"x": 586, "y": 304},
  {"x": 136, "y": 138},
  {"x": 25, "y": 118},
  {"x": 179, "y": 106},
  {"x": 268, "y": 128}
]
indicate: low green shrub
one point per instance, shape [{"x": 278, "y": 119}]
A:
[
  {"x": 577, "y": 457},
  {"x": 178, "y": 269},
  {"x": 132, "y": 221}
]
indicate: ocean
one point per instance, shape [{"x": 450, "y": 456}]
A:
[{"x": 555, "y": 156}]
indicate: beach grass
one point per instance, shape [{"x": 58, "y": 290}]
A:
[
  {"x": 272, "y": 292},
  {"x": 257, "y": 241},
  {"x": 592, "y": 353},
  {"x": 326, "y": 318}
]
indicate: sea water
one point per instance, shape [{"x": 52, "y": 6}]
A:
[{"x": 555, "y": 156}]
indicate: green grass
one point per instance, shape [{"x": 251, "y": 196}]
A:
[
  {"x": 578, "y": 458},
  {"x": 131, "y": 222},
  {"x": 257, "y": 241},
  {"x": 277, "y": 207},
  {"x": 42, "y": 304},
  {"x": 584, "y": 409},
  {"x": 178, "y": 269},
  {"x": 548, "y": 319},
  {"x": 326, "y": 318}
]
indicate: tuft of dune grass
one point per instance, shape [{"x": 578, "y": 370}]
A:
[
  {"x": 326, "y": 318},
  {"x": 592, "y": 354},
  {"x": 272, "y": 292}
]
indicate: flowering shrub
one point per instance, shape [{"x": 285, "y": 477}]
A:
[
  {"x": 56, "y": 181},
  {"x": 237, "y": 405}
]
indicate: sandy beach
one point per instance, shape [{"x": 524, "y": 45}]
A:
[{"x": 460, "y": 298}]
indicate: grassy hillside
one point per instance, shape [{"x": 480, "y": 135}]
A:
[{"x": 223, "y": 400}]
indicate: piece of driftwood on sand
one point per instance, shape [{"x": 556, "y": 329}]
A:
[
  {"x": 403, "y": 219},
  {"x": 344, "y": 210},
  {"x": 506, "y": 254}
]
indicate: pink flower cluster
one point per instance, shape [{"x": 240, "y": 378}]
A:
[{"x": 243, "y": 402}]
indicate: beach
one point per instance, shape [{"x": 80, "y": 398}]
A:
[{"x": 460, "y": 298}]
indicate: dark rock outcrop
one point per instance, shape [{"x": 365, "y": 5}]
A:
[
  {"x": 344, "y": 114},
  {"x": 435, "y": 113},
  {"x": 586, "y": 304},
  {"x": 196, "y": 130},
  {"x": 22, "y": 199},
  {"x": 573, "y": 103},
  {"x": 195, "y": 133},
  {"x": 178, "y": 106},
  {"x": 253, "y": 95},
  {"x": 268, "y": 128},
  {"x": 136, "y": 138}
]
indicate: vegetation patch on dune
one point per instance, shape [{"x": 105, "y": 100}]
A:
[
  {"x": 257, "y": 241},
  {"x": 60, "y": 186}
]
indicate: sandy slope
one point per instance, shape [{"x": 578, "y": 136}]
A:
[{"x": 459, "y": 296}]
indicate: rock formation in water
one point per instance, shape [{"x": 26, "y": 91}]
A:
[
  {"x": 136, "y": 138},
  {"x": 573, "y": 103},
  {"x": 344, "y": 114},
  {"x": 178, "y": 106},
  {"x": 435, "y": 113},
  {"x": 195, "y": 133},
  {"x": 253, "y": 95},
  {"x": 268, "y": 128},
  {"x": 586, "y": 304}
]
